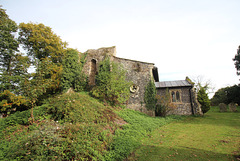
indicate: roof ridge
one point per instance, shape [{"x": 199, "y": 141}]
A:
[
  {"x": 173, "y": 80},
  {"x": 176, "y": 83}
]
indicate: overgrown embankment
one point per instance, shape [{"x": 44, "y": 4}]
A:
[{"x": 75, "y": 127}]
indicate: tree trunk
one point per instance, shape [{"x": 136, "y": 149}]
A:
[{"x": 32, "y": 114}]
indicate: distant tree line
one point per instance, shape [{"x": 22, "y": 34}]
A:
[
  {"x": 230, "y": 94},
  {"x": 227, "y": 95}
]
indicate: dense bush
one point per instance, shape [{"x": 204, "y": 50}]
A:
[
  {"x": 203, "y": 100},
  {"x": 72, "y": 75},
  {"x": 82, "y": 130},
  {"x": 9, "y": 102},
  {"x": 164, "y": 105},
  {"x": 23, "y": 118},
  {"x": 111, "y": 85},
  {"x": 150, "y": 96}
]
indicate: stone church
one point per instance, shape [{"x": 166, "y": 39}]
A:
[{"x": 181, "y": 92}]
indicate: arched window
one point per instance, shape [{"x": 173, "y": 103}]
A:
[
  {"x": 93, "y": 70},
  {"x": 178, "y": 96},
  {"x": 173, "y": 96}
]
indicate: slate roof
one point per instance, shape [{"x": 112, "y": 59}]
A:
[{"x": 168, "y": 84}]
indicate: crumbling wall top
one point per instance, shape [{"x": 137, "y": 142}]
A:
[{"x": 111, "y": 51}]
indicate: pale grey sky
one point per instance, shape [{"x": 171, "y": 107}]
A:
[{"x": 182, "y": 37}]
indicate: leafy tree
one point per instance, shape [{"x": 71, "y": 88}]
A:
[
  {"x": 150, "y": 95},
  {"x": 220, "y": 97},
  {"x": 227, "y": 95},
  {"x": 237, "y": 61},
  {"x": 72, "y": 75},
  {"x": 12, "y": 65},
  {"x": 45, "y": 47},
  {"x": 11, "y": 79},
  {"x": 8, "y": 42},
  {"x": 203, "y": 99},
  {"x": 233, "y": 94},
  {"x": 40, "y": 42},
  {"x": 10, "y": 102},
  {"x": 111, "y": 85},
  {"x": 35, "y": 86}
]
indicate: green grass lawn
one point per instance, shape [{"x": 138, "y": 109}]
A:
[{"x": 216, "y": 136}]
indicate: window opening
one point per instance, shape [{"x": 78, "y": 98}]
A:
[
  {"x": 93, "y": 70},
  {"x": 178, "y": 96},
  {"x": 173, "y": 97}
]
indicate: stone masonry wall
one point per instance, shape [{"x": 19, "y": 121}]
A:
[
  {"x": 97, "y": 55},
  {"x": 184, "y": 106},
  {"x": 139, "y": 73}
]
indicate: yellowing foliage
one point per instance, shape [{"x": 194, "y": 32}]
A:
[{"x": 9, "y": 101}]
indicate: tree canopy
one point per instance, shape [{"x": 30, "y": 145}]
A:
[
  {"x": 8, "y": 42},
  {"x": 45, "y": 49},
  {"x": 13, "y": 65},
  {"x": 227, "y": 95},
  {"x": 44, "y": 53},
  {"x": 40, "y": 42},
  {"x": 236, "y": 60},
  {"x": 72, "y": 75}
]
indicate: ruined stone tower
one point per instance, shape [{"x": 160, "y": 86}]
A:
[{"x": 137, "y": 72}]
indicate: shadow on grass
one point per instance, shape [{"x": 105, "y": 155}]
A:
[{"x": 158, "y": 153}]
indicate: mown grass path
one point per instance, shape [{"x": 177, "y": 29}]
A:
[{"x": 216, "y": 136}]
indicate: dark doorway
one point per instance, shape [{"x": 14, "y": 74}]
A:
[{"x": 93, "y": 70}]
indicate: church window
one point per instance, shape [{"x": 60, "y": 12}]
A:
[
  {"x": 173, "y": 96},
  {"x": 176, "y": 96}
]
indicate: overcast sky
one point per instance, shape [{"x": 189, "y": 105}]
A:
[{"x": 181, "y": 37}]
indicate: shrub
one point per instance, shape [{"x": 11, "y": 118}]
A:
[
  {"x": 150, "y": 96},
  {"x": 9, "y": 102},
  {"x": 72, "y": 75},
  {"x": 164, "y": 105},
  {"x": 22, "y": 118},
  {"x": 111, "y": 85},
  {"x": 84, "y": 133},
  {"x": 203, "y": 99},
  {"x": 88, "y": 131}
]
